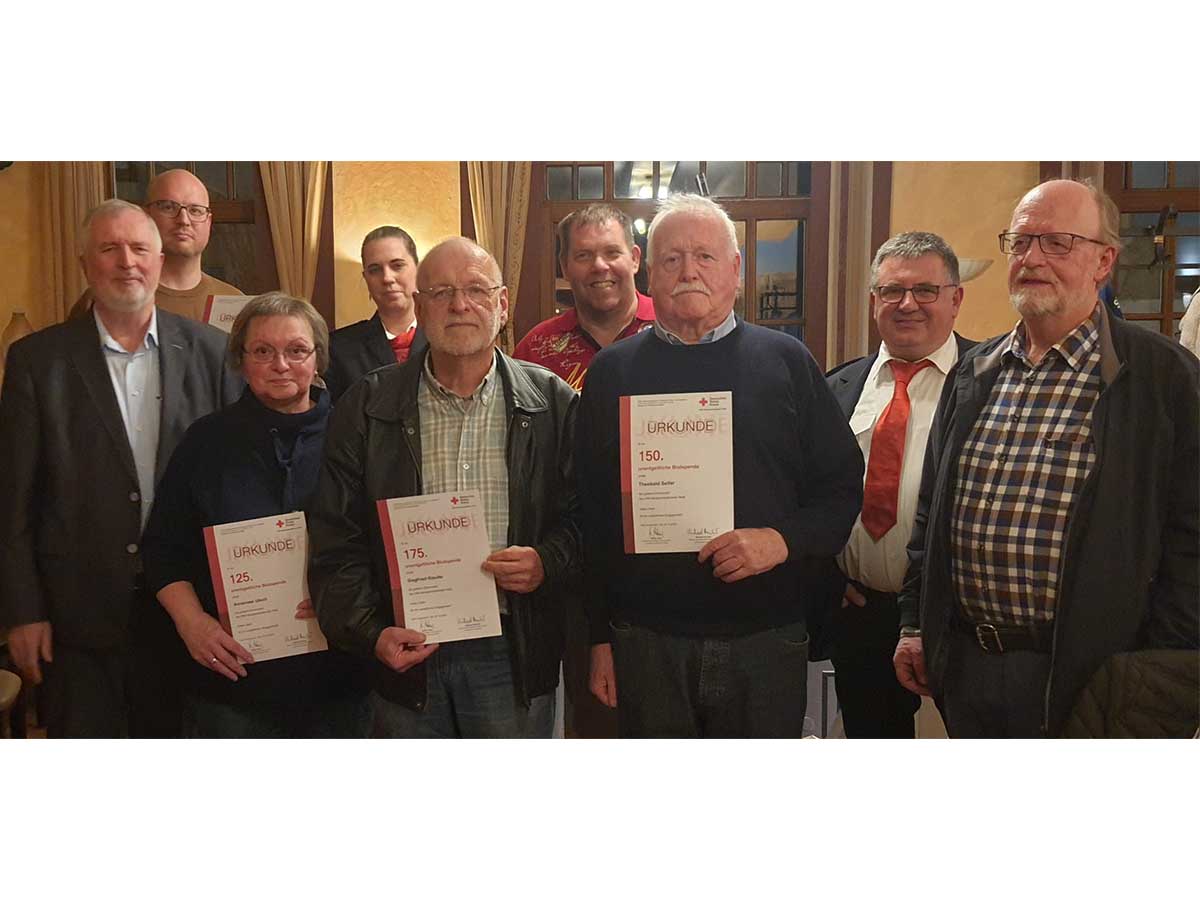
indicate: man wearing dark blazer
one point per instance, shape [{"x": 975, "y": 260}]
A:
[
  {"x": 389, "y": 259},
  {"x": 889, "y": 398},
  {"x": 90, "y": 413}
]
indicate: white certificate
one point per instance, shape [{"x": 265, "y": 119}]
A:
[
  {"x": 435, "y": 546},
  {"x": 676, "y": 470},
  {"x": 221, "y": 309},
  {"x": 260, "y": 575}
]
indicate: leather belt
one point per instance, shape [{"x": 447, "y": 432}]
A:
[{"x": 1036, "y": 636}]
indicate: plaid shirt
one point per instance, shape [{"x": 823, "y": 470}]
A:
[
  {"x": 1018, "y": 476},
  {"x": 463, "y": 441}
]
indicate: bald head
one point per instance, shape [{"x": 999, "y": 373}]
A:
[
  {"x": 184, "y": 234},
  {"x": 455, "y": 254}
]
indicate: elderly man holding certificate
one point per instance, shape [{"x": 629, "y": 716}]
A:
[
  {"x": 226, "y": 544},
  {"x": 445, "y": 479},
  {"x": 713, "y": 464}
]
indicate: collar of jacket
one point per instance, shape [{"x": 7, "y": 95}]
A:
[
  {"x": 396, "y": 397},
  {"x": 1112, "y": 361}
]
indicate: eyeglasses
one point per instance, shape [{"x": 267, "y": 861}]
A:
[
  {"x": 476, "y": 293},
  {"x": 169, "y": 208},
  {"x": 264, "y": 354},
  {"x": 922, "y": 293},
  {"x": 1054, "y": 243}
]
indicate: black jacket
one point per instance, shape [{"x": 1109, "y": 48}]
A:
[
  {"x": 360, "y": 348},
  {"x": 373, "y": 452},
  {"x": 1129, "y": 578},
  {"x": 71, "y": 522},
  {"x": 847, "y": 382}
]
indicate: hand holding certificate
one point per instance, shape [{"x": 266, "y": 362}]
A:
[
  {"x": 258, "y": 569},
  {"x": 676, "y": 470},
  {"x": 436, "y": 544}
]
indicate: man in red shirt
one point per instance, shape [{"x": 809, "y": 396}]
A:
[{"x": 599, "y": 258}]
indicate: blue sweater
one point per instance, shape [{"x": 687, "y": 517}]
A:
[
  {"x": 243, "y": 462},
  {"x": 796, "y": 468}
]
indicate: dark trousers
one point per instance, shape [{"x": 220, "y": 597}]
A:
[
  {"x": 85, "y": 693},
  {"x": 342, "y": 717},
  {"x": 874, "y": 703},
  {"x": 722, "y": 687},
  {"x": 993, "y": 695}
]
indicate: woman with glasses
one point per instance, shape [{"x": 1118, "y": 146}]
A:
[{"x": 259, "y": 457}]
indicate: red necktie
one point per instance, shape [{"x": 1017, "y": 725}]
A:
[
  {"x": 881, "y": 492},
  {"x": 402, "y": 343}
]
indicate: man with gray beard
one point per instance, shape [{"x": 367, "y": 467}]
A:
[
  {"x": 1058, "y": 518},
  {"x": 458, "y": 416},
  {"x": 90, "y": 414}
]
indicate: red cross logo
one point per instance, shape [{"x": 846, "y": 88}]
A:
[
  {"x": 279, "y": 524},
  {"x": 454, "y": 500},
  {"x": 704, "y": 401}
]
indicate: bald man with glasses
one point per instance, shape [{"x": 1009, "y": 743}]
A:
[
  {"x": 1056, "y": 531},
  {"x": 178, "y": 203}
]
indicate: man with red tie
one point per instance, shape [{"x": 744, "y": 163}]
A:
[
  {"x": 389, "y": 260},
  {"x": 889, "y": 398}
]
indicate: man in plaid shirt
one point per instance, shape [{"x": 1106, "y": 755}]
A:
[{"x": 1058, "y": 518}]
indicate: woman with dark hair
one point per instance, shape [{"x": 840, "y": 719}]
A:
[{"x": 258, "y": 457}]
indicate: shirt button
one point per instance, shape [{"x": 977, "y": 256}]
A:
[
  {"x": 524, "y": 423},
  {"x": 131, "y": 549},
  {"x": 134, "y": 496},
  {"x": 412, "y": 431},
  {"x": 466, "y": 465}
]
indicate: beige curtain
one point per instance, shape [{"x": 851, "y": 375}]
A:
[
  {"x": 500, "y": 205},
  {"x": 70, "y": 190},
  {"x": 295, "y": 195}
]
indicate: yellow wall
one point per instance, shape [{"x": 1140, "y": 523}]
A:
[
  {"x": 420, "y": 197},
  {"x": 21, "y": 204},
  {"x": 968, "y": 204}
]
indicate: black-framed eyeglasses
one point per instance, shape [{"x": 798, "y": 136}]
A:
[
  {"x": 170, "y": 208},
  {"x": 1053, "y": 243},
  {"x": 922, "y": 293},
  {"x": 476, "y": 293},
  {"x": 264, "y": 354}
]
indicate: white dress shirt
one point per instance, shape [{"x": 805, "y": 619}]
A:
[{"x": 881, "y": 564}]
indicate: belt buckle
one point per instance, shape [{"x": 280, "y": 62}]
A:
[{"x": 985, "y": 629}]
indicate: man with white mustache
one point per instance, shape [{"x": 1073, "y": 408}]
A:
[
  {"x": 713, "y": 644},
  {"x": 1057, "y": 524}
]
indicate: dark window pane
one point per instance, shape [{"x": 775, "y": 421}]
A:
[
  {"x": 1187, "y": 174},
  {"x": 244, "y": 177},
  {"x": 779, "y": 279},
  {"x": 215, "y": 178},
  {"x": 132, "y": 179},
  {"x": 1187, "y": 223},
  {"x": 799, "y": 179},
  {"x": 677, "y": 178},
  {"x": 164, "y": 166},
  {"x": 739, "y": 305},
  {"x": 726, "y": 179},
  {"x": 591, "y": 182},
  {"x": 558, "y": 182},
  {"x": 770, "y": 179},
  {"x": 633, "y": 179},
  {"x": 1187, "y": 251},
  {"x": 1149, "y": 175}
]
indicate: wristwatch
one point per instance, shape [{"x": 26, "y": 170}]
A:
[{"x": 909, "y": 631}]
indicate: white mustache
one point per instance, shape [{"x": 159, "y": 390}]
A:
[{"x": 691, "y": 287}]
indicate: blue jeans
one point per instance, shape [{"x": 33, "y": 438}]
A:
[
  {"x": 348, "y": 717},
  {"x": 469, "y": 694},
  {"x": 669, "y": 685}
]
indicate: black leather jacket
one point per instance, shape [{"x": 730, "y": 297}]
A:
[{"x": 373, "y": 452}]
